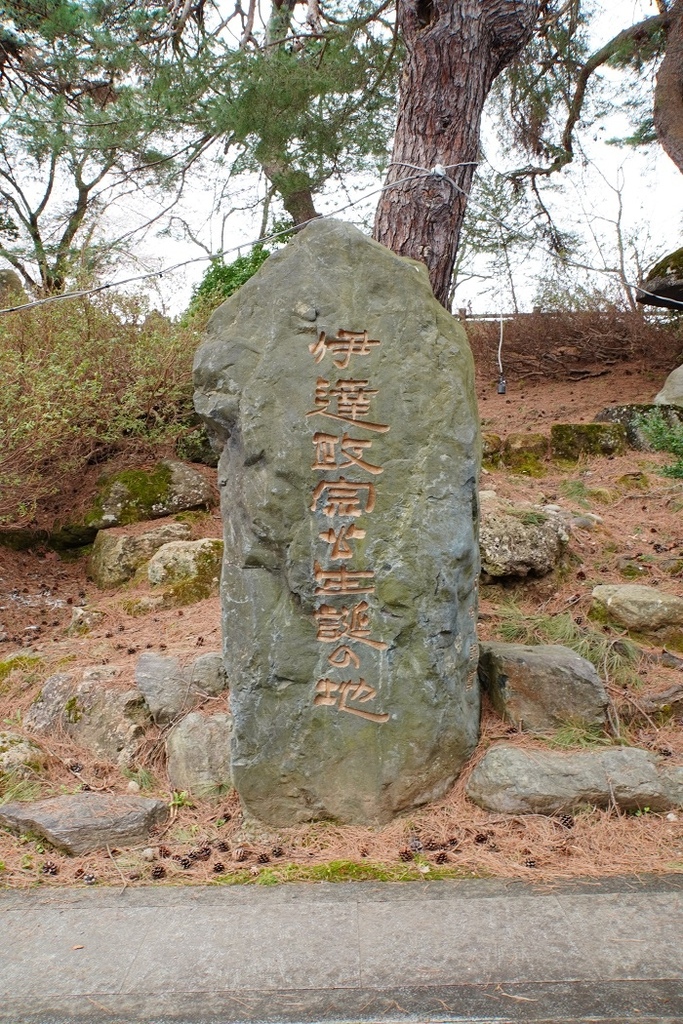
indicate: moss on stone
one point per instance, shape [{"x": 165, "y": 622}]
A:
[
  {"x": 524, "y": 454},
  {"x": 18, "y": 661},
  {"x": 201, "y": 584},
  {"x": 670, "y": 266},
  {"x": 72, "y": 710},
  {"x": 141, "y": 492},
  {"x": 569, "y": 441}
]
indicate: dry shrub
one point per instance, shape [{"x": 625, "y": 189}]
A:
[
  {"x": 570, "y": 346},
  {"x": 83, "y": 380}
]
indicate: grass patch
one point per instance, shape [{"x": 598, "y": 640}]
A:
[
  {"x": 13, "y": 787},
  {"x": 615, "y": 658},
  {"x": 343, "y": 871}
]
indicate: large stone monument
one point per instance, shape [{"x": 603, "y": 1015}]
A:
[{"x": 342, "y": 394}]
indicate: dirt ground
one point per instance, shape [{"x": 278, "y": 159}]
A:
[{"x": 640, "y": 527}]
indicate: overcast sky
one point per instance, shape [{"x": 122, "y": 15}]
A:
[{"x": 651, "y": 188}]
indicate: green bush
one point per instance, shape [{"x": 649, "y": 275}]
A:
[
  {"x": 84, "y": 380},
  {"x": 664, "y": 435},
  {"x": 222, "y": 280}
]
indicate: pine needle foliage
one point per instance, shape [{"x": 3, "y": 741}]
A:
[{"x": 615, "y": 658}]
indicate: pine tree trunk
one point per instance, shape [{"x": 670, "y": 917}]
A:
[
  {"x": 454, "y": 51},
  {"x": 668, "y": 107}
]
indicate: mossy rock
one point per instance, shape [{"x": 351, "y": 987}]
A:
[
  {"x": 569, "y": 441},
  {"x": 525, "y": 454},
  {"x": 189, "y": 571},
  {"x": 630, "y": 417},
  {"x": 137, "y": 495},
  {"x": 491, "y": 450}
]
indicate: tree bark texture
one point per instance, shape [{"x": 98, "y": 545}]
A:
[
  {"x": 668, "y": 108},
  {"x": 454, "y": 51}
]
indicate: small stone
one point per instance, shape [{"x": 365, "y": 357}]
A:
[
  {"x": 538, "y": 688},
  {"x": 518, "y": 541},
  {"x": 148, "y": 854},
  {"x": 639, "y": 607},
  {"x": 133, "y": 786},
  {"x": 509, "y": 780},
  {"x": 169, "y": 689},
  {"x": 86, "y": 821},
  {"x": 117, "y": 555}
]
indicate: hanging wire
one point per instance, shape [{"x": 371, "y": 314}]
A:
[
  {"x": 206, "y": 259},
  {"x": 438, "y": 171}
]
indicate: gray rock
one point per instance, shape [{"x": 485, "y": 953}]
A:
[
  {"x": 540, "y": 688},
  {"x": 509, "y": 780},
  {"x": 116, "y": 557},
  {"x": 516, "y": 541},
  {"x": 672, "y": 392},
  {"x": 198, "y": 752},
  {"x": 169, "y": 690},
  {"x": 187, "y": 561},
  {"x": 108, "y": 721},
  {"x": 570, "y": 441},
  {"x": 86, "y": 821},
  {"x": 18, "y": 756},
  {"x": 629, "y": 417},
  {"x": 83, "y": 620},
  {"x": 389, "y": 726},
  {"x": 639, "y": 607},
  {"x": 135, "y": 495}
]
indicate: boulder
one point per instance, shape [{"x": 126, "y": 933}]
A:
[
  {"x": 638, "y": 607},
  {"x": 630, "y": 416},
  {"x": 672, "y": 392},
  {"x": 136, "y": 495},
  {"x": 169, "y": 690},
  {"x": 189, "y": 569},
  {"x": 520, "y": 541},
  {"x": 525, "y": 453},
  {"x": 342, "y": 394},
  {"x": 18, "y": 756},
  {"x": 198, "y": 753},
  {"x": 83, "y": 620},
  {"x": 570, "y": 441},
  {"x": 117, "y": 555},
  {"x": 106, "y": 720},
  {"x": 491, "y": 449},
  {"x": 509, "y": 780},
  {"x": 86, "y": 821},
  {"x": 539, "y": 688},
  {"x": 663, "y": 285}
]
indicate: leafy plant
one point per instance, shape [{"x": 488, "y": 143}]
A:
[
  {"x": 222, "y": 280},
  {"x": 664, "y": 435}
]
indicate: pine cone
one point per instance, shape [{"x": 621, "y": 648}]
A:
[
  {"x": 89, "y": 879},
  {"x": 222, "y": 846},
  {"x": 481, "y": 838},
  {"x": 185, "y": 863},
  {"x": 277, "y": 851},
  {"x": 530, "y": 862},
  {"x": 203, "y": 853},
  {"x": 263, "y": 858},
  {"x": 218, "y": 868},
  {"x": 239, "y": 854},
  {"x": 164, "y": 852},
  {"x": 159, "y": 871},
  {"x": 432, "y": 845},
  {"x": 406, "y": 854},
  {"x": 441, "y": 857},
  {"x": 567, "y": 820},
  {"x": 50, "y": 868}
]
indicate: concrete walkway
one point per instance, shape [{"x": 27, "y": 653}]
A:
[{"x": 435, "y": 951}]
